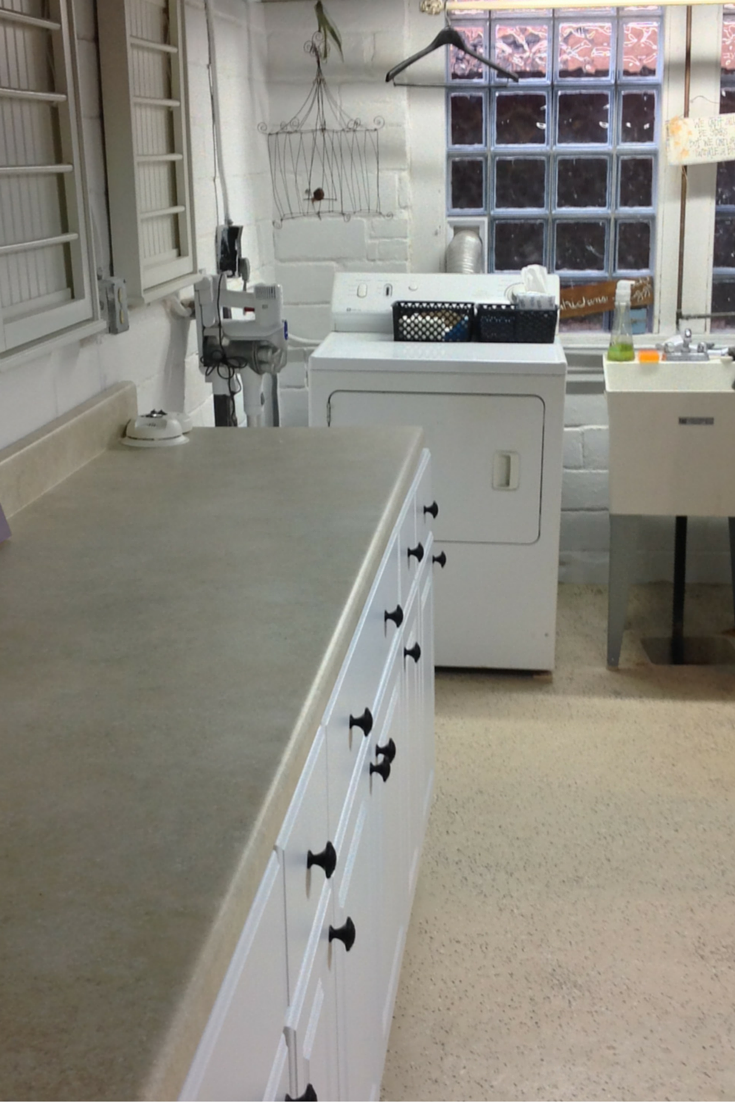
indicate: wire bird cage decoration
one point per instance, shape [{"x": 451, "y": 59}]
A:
[{"x": 323, "y": 162}]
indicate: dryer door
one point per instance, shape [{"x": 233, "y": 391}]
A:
[{"x": 487, "y": 454}]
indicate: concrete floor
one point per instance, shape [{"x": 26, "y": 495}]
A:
[{"x": 573, "y": 931}]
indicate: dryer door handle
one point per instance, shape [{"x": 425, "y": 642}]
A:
[{"x": 506, "y": 471}]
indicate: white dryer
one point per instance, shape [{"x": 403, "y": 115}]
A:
[{"x": 493, "y": 417}]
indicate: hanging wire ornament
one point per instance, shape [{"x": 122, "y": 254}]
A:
[{"x": 322, "y": 161}]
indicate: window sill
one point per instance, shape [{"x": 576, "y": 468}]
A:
[{"x": 45, "y": 347}]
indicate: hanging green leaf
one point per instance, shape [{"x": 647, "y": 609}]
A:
[{"x": 327, "y": 30}]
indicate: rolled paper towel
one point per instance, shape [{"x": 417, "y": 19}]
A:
[{"x": 4, "y": 526}]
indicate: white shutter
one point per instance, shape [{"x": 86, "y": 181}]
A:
[
  {"x": 44, "y": 261},
  {"x": 142, "y": 57}
]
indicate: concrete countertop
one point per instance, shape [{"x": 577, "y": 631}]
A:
[{"x": 172, "y": 624}]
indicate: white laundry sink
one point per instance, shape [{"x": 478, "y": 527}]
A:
[{"x": 672, "y": 438}]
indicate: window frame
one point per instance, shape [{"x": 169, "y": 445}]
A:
[{"x": 667, "y": 179}]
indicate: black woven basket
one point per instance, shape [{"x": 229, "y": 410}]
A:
[
  {"x": 432, "y": 321},
  {"x": 502, "y": 322}
]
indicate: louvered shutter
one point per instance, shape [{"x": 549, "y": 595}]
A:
[
  {"x": 142, "y": 57},
  {"x": 44, "y": 260}
]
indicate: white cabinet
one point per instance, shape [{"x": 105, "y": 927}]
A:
[{"x": 305, "y": 1010}]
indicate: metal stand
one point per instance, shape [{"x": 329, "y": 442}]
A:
[
  {"x": 623, "y": 549},
  {"x": 680, "y": 574},
  {"x": 223, "y": 418}
]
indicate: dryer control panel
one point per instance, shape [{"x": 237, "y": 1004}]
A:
[{"x": 362, "y": 302}]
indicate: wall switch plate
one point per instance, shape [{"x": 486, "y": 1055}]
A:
[{"x": 114, "y": 301}]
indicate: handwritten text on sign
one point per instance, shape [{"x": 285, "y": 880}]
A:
[
  {"x": 594, "y": 298},
  {"x": 700, "y": 141}
]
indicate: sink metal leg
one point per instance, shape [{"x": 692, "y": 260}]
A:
[
  {"x": 623, "y": 548},
  {"x": 680, "y": 577},
  {"x": 731, "y": 521}
]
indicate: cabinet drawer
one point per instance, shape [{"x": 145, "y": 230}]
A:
[
  {"x": 239, "y": 1052},
  {"x": 359, "y": 685},
  {"x": 305, "y": 831}
]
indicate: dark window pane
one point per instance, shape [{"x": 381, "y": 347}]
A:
[
  {"x": 580, "y": 246},
  {"x": 584, "y": 49},
  {"x": 639, "y": 117},
  {"x": 518, "y": 244},
  {"x": 520, "y": 119},
  {"x": 726, "y": 183},
  {"x": 468, "y": 184},
  {"x": 724, "y": 243},
  {"x": 634, "y": 246},
  {"x": 520, "y": 182},
  {"x": 723, "y": 298},
  {"x": 636, "y": 182},
  {"x": 584, "y": 117},
  {"x": 581, "y": 182},
  {"x": 727, "y": 101},
  {"x": 640, "y": 48},
  {"x": 523, "y": 49},
  {"x": 467, "y": 120},
  {"x": 461, "y": 65}
]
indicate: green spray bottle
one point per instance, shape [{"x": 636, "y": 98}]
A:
[{"x": 621, "y": 339}]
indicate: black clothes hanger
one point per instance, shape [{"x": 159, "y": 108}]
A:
[{"x": 448, "y": 37}]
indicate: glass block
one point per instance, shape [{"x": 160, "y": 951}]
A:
[
  {"x": 724, "y": 252},
  {"x": 520, "y": 182},
  {"x": 640, "y": 48},
  {"x": 461, "y": 65},
  {"x": 723, "y": 299},
  {"x": 518, "y": 244},
  {"x": 467, "y": 120},
  {"x": 636, "y": 181},
  {"x": 584, "y": 118},
  {"x": 582, "y": 182},
  {"x": 727, "y": 101},
  {"x": 520, "y": 118},
  {"x": 468, "y": 184},
  {"x": 727, "y": 56},
  {"x": 638, "y": 122},
  {"x": 585, "y": 50},
  {"x": 726, "y": 184},
  {"x": 580, "y": 246},
  {"x": 634, "y": 246},
  {"x": 523, "y": 49}
]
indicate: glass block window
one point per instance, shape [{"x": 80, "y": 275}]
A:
[
  {"x": 564, "y": 162},
  {"x": 723, "y": 274}
]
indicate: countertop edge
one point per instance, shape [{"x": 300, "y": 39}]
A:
[{"x": 166, "y": 1077}]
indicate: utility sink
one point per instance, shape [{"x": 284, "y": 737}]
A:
[{"x": 672, "y": 438}]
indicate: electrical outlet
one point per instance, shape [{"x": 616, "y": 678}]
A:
[{"x": 114, "y": 301}]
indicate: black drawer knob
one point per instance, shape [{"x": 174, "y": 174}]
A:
[
  {"x": 388, "y": 751},
  {"x": 417, "y": 552},
  {"x": 396, "y": 616},
  {"x": 309, "y": 1095},
  {"x": 382, "y": 767},
  {"x": 441, "y": 558},
  {"x": 412, "y": 652},
  {"x": 327, "y": 859},
  {"x": 364, "y": 722},
  {"x": 345, "y": 934},
  {"x": 432, "y": 509}
]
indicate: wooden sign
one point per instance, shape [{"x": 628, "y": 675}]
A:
[
  {"x": 594, "y": 298},
  {"x": 700, "y": 141}
]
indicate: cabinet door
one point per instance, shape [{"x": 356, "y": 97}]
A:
[
  {"x": 311, "y": 1027},
  {"x": 242, "y": 1041}
]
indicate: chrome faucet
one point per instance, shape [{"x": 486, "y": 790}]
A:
[{"x": 679, "y": 349}]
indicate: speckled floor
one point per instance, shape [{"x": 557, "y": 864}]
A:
[{"x": 573, "y": 932}]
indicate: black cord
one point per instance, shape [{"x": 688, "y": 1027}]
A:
[{"x": 227, "y": 367}]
